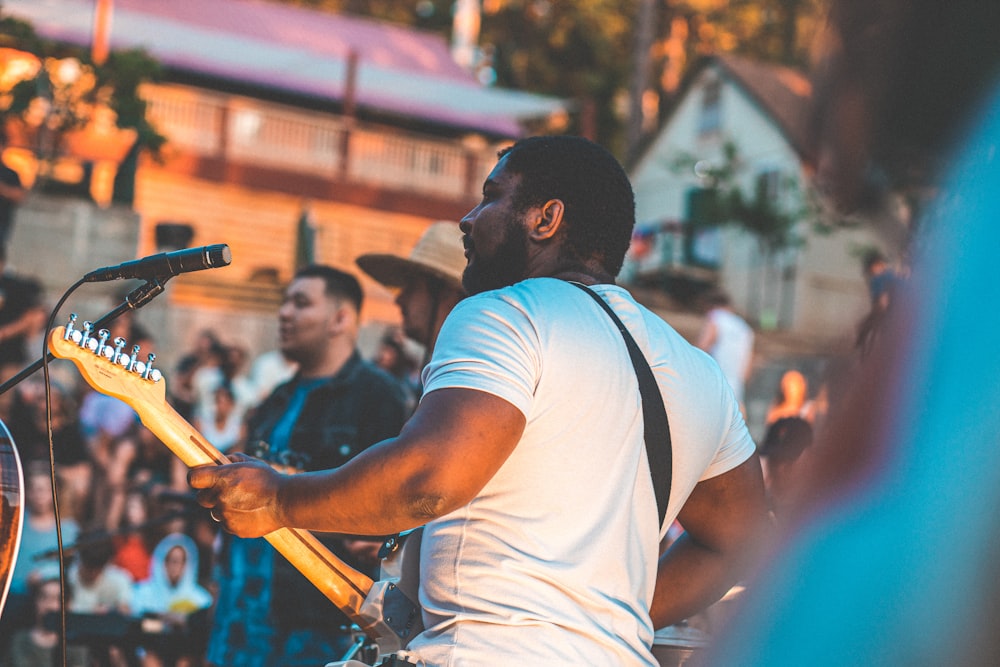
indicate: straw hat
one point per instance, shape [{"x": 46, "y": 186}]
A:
[{"x": 439, "y": 253}]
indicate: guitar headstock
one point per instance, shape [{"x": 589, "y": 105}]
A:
[{"x": 107, "y": 365}]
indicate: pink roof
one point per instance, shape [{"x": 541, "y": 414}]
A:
[
  {"x": 400, "y": 70},
  {"x": 335, "y": 35}
]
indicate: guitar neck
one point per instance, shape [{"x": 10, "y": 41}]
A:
[{"x": 341, "y": 584}]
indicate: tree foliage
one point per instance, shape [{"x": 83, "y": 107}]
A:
[
  {"x": 761, "y": 210},
  {"x": 67, "y": 90},
  {"x": 583, "y": 49}
]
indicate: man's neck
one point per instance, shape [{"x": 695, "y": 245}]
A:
[
  {"x": 550, "y": 262},
  {"x": 586, "y": 275}
]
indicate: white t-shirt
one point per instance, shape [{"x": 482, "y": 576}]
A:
[{"x": 554, "y": 562}]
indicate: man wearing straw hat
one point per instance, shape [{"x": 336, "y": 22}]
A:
[{"x": 429, "y": 280}]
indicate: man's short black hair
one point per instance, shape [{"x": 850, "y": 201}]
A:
[
  {"x": 591, "y": 183},
  {"x": 339, "y": 284}
]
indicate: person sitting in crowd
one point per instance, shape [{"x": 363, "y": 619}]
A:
[
  {"x": 133, "y": 540},
  {"x": 29, "y": 428},
  {"x": 99, "y": 586},
  {"x": 223, "y": 424},
  {"x": 38, "y": 644},
  {"x": 102, "y": 588},
  {"x": 167, "y": 600},
  {"x": 38, "y": 542}
]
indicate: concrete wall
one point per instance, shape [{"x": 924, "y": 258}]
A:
[{"x": 58, "y": 240}]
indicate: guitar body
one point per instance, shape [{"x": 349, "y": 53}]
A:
[{"x": 11, "y": 510}]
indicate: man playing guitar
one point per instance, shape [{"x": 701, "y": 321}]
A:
[{"x": 525, "y": 459}]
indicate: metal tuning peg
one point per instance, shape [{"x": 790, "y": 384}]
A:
[
  {"x": 69, "y": 331},
  {"x": 134, "y": 358},
  {"x": 147, "y": 373},
  {"x": 87, "y": 329},
  {"x": 119, "y": 344},
  {"x": 102, "y": 342}
]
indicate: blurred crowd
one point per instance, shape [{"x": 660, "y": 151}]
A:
[{"x": 139, "y": 551}]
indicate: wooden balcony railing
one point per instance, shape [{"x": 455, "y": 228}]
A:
[{"x": 245, "y": 130}]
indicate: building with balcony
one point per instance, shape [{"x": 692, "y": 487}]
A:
[{"x": 290, "y": 131}]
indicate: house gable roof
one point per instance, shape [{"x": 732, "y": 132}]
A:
[
  {"x": 782, "y": 93},
  {"x": 400, "y": 70}
]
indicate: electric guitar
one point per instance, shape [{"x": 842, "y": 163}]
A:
[
  {"x": 383, "y": 610},
  {"x": 11, "y": 510}
]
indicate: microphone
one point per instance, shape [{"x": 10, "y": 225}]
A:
[{"x": 165, "y": 265}]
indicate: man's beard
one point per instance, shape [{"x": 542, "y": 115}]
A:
[{"x": 507, "y": 265}]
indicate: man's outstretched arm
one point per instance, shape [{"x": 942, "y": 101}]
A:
[{"x": 446, "y": 453}]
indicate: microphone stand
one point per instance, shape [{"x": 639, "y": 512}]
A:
[{"x": 134, "y": 300}]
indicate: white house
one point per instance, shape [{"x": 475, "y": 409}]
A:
[{"x": 812, "y": 290}]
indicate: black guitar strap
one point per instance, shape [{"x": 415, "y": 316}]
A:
[{"x": 654, "y": 414}]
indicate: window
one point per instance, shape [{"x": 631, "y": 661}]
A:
[{"x": 710, "y": 119}]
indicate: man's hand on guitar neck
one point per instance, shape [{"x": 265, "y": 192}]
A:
[
  {"x": 446, "y": 453},
  {"x": 241, "y": 496}
]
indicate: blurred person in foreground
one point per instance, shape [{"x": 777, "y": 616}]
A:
[
  {"x": 890, "y": 557},
  {"x": 336, "y": 405},
  {"x": 525, "y": 458}
]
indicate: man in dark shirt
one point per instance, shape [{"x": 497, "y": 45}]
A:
[{"x": 337, "y": 404}]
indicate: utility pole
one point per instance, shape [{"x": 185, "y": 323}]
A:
[
  {"x": 101, "y": 39},
  {"x": 465, "y": 33},
  {"x": 645, "y": 19}
]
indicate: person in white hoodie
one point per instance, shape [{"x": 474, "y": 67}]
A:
[{"x": 166, "y": 601}]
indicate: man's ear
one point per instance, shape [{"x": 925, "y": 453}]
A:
[
  {"x": 343, "y": 318},
  {"x": 548, "y": 221}
]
